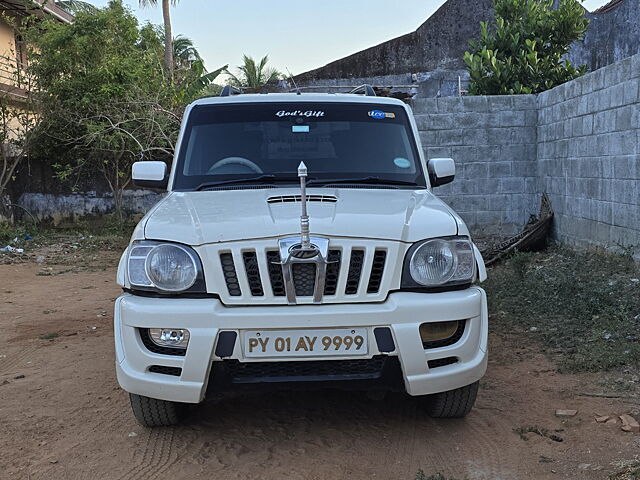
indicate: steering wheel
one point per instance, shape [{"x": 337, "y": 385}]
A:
[{"x": 236, "y": 161}]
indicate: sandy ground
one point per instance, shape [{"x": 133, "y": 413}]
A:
[{"x": 63, "y": 415}]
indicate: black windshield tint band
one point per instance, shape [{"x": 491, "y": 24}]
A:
[{"x": 337, "y": 140}]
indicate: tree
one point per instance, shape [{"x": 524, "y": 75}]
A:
[
  {"x": 184, "y": 51},
  {"x": 16, "y": 124},
  {"x": 524, "y": 50},
  {"x": 76, "y": 6},
  {"x": 101, "y": 109},
  {"x": 168, "y": 38},
  {"x": 17, "y": 121},
  {"x": 191, "y": 76},
  {"x": 254, "y": 75}
]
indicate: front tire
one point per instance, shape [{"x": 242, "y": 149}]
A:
[
  {"x": 453, "y": 403},
  {"x": 151, "y": 412}
]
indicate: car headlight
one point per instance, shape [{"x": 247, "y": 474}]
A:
[
  {"x": 164, "y": 267},
  {"x": 439, "y": 262}
]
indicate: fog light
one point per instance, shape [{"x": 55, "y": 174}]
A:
[
  {"x": 435, "y": 331},
  {"x": 170, "y": 337}
]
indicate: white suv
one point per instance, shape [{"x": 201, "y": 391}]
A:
[{"x": 299, "y": 243}]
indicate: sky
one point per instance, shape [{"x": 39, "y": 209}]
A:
[{"x": 297, "y": 35}]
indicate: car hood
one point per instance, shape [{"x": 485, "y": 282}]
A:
[{"x": 197, "y": 218}]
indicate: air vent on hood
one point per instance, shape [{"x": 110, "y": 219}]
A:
[{"x": 298, "y": 198}]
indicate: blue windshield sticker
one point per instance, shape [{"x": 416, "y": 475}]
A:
[
  {"x": 402, "y": 162},
  {"x": 300, "y": 128},
  {"x": 379, "y": 114}
]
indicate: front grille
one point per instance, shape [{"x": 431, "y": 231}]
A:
[
  {"x": 315, "y": 370},
  {"x": 447, "y": 341},
  {"x": 174, "y": 371},
  {"x": 354, "y": 272},
  {"x": 155, "y": 348}
]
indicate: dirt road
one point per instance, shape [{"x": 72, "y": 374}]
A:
[{"x": 63, "y": 416}]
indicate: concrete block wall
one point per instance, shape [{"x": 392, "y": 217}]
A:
[
  {"x": 493, "y": 141},
  {"x": 61, "y": 208},
  {"x": 589, "y": 156}
]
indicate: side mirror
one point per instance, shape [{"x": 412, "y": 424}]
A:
[
  {"x": 150, "y": 174},
  {"x": 441, "y": 171}
]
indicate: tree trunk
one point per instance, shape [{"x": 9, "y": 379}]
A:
[{"x": 168, "y": 39}]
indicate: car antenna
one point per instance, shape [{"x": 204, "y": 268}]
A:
[{"x": 295, "y": 87}]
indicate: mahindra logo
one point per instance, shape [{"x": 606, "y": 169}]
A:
[{"x": 303, "y": 252}]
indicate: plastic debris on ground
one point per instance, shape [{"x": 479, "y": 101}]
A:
[{"x": 11, "y": 249}]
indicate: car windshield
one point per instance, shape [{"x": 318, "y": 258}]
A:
[{"x": 265, "y": 143}]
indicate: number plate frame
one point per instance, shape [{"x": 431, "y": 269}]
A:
[{"x": 301, "y": 343}]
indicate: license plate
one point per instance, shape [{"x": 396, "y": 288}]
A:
[{"x": 305, "y": 343}]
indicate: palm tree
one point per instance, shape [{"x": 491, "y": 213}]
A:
[
  {"x": 184, "y": 51},
  {"x": 254, "y": 75},
  {"x": 191, "y": 76},
  {"x": 168, "y": 39}
]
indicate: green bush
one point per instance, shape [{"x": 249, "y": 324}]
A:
[{"x": 523, "y": 50}]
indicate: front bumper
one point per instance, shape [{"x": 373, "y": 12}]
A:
[{"x": 402, "y": 312}]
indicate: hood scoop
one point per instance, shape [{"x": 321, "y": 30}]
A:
[{"x": 298, "y": 198}]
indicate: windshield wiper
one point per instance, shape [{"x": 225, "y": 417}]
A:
[
  {"x": 266, "y": 179},
  {"x": 371, "y": 180}
]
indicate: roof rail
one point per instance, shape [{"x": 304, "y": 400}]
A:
[
  {"x": 366, "y": 90},
  {"x": 230, "y": 90}
]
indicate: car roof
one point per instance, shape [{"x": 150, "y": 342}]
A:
[{"x": 298, "y": 98}]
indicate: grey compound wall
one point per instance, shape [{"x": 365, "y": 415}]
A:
[
  {"x": 589, "y": 155},
  {"x": 493, "y": 141}
]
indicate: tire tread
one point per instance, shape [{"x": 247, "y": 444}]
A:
[
  {"x": 453, "y": 403},
  {"x": 151, "y": 412}
]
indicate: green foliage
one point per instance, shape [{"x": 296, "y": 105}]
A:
[
  {"x": 191, "y": 77},
  {"x": 103, "y": 96},
  {"x": 254, "y": 75},
  {"x": 76, "y": 6},
  {"x": 584, "y": 307},
  {"x": 102, "y": 108},
  {"x": 523, "y": 50}
]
